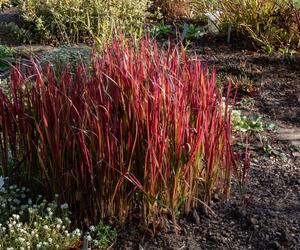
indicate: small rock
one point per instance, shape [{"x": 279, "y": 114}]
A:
[
  {"x": 275, "y": 245},
  {"x": 216, "y": 198},
  {"x": 253, "y": 221},
  {"x": 196, "y": 217}
]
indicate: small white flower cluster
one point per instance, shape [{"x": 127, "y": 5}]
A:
[
  {"x": 101, "y": 236},
  {"x": 33, "y": 224}
]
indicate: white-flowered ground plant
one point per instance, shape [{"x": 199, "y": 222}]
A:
[
  {"x": 25, "y": 224},
  {"x": 101, "y": 236}
]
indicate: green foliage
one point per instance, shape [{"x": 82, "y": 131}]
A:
[
  {"x": 19, "y": 34},
  {"x": 9, "y": 3},
  {"x": 5, "y": 52},
  {"x": 252, "y": 123},
  {"x": 101, "y": 235},
  {"x": 73, "y": 21},
  {"x": 65, "y": 56},
  {"x": 33, "y": 224},
  {"x": 160, "y": 30},
  {"x": 287, "y": 53},
  {"x": 6, "y": 55},
  {"x": 270, "y": 24},
  {"x": 193, "y": 32}
]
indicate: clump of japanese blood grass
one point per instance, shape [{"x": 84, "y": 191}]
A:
[{"x": 142, "y": 130}]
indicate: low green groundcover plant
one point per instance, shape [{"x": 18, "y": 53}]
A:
[
  {"x": 101, "y": 235},
  {"x": 6, "y": 55},
  {"x": 251, "y": 123},
  {"x": 65, "y": 56},
  {"x": 34, "y": 223},
  {"x": 141, "y": 130}
]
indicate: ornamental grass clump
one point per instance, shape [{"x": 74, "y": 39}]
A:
[{"x": 142, "y": 130}]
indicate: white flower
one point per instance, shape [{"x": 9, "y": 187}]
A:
[
  {"x": 45, "y": 227},
  {"x": 50, "y": 240},
  {"x": 59, "y": 220},
  {"x": 16, "y": 216},
  {"x": 64, "y": 206},
  {"x": 39, "y": 245},
  {"x": 21, "y": 239},
  {"x": 92, "y": 228},
  {"x": 17, "y": 201}
]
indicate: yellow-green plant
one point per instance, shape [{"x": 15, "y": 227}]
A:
[
  {"x": 9, "y": 3},
  {"x": 73, "y": 21},
  {"x": 4, "y": 3},
  {"x": 269, "y": 23}
]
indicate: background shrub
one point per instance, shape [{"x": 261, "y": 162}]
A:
[
  {"x": 270, "y": 24},
  {"x": 73, "y": 21},
  {"x": 174, "y": 8},
  {"x": 9, "y": 3}
]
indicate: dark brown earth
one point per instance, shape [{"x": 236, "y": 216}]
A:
[{"x": 267, "y": 215}]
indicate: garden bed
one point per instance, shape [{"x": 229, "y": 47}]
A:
[
  {"x": 270, "y": 218},
  {"x": 265, "y": 214}
]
